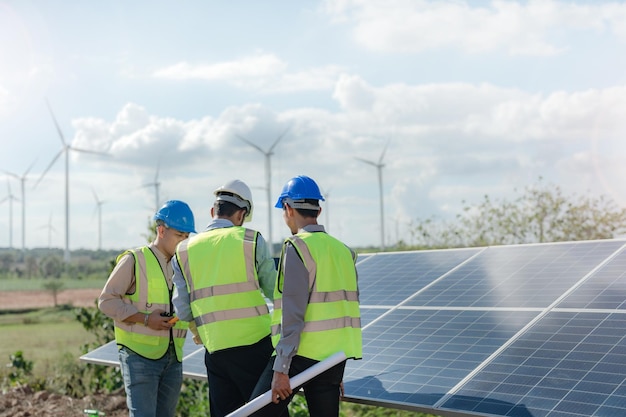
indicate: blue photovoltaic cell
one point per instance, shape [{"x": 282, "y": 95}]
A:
[
  {"x": 416, "y": 356},
  {"x": 566, "y": 365},
  {"x": 389, "y": 278},
  {"x": 605, "y": 289},
  {"x": 368, "y": 314},
  {"x": 531, "y": 276}
]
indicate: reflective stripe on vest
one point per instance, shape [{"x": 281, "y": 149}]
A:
[
  {"x": 336, "y": 324},
  {"x": 226, "y": 301},
  {"x": 150, "y": 295}
]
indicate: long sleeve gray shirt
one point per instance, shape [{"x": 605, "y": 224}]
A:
[{"x": 295, "y": 299}]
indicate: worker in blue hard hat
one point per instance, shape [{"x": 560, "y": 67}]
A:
[
  {"x": 222, "y": 276},
  {"x": 138, "y": 297},
  {"x": 316, "y": 307}
]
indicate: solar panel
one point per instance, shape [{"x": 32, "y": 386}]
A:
[
  {"x": 193, "y": 357},
  {"x": 524, "y": 330}
]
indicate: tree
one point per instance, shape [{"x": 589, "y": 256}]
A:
[
  {"x": 151, "y": 233},
  {"x": 6, "y": 261},
  {"x": 541, "y": 213},
  {"x": 32, "y": 267},
  {"x": 52, "y": 266},
  {"x": 54, "y": 287}
]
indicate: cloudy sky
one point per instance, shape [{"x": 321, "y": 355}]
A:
[{"x": 459, "y": 98}]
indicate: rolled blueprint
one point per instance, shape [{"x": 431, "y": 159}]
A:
[{"x": 297, "y": 380}]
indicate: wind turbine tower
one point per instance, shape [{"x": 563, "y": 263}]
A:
[
  {"x": 326, "y": 195},
  {"x": 379, "y": 167},
  {"x": 268, "y": 181},
  {"x": 10, "y": 198},
  {"x": 99, "y": 204},
  {"x": 157, "y": 185},
  {"x": 51, "y": 229},
  {"x": 22, "y": 180},
  {"x": 66, "y": 148}
]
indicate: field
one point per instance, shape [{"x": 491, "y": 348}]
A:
[
  {"x": 34, "y": 327},
  {"x": 49, "y": 337}
]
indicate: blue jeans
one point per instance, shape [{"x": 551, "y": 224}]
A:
[
  {"x": 152, "y": 386},
  {"x": 321, "y": 393}
]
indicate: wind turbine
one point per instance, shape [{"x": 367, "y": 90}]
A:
[
  {"x": 379, "y": 166},
  {"x": 65, "y": 150},
  {"x": 99, "y": 204},
  {"x": 22, "y": 180},
  {"x": 157, "y": 185},
  {"x": 268, "y": 180},
  {"x": 326, "y": 194},
  {"x": 50, "y": 228},
  {"x": 10, "y": 198}
]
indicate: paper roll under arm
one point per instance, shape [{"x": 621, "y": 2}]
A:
[{"x": 297, "y": 380}]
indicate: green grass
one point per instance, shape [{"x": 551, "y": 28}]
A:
[
  {"x": 20, "y": 284},
  {"x": 43, "y": 336}
]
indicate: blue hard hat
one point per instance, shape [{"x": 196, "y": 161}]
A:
[
  {"x": 176, "y": 215},
  {"x": 299, "y": 188}
]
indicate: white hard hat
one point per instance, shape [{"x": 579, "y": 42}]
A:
[{"x": 238, "y": 193}]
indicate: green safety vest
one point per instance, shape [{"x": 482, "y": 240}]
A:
[
  {"x": 219, "y": 266},
  {"x": 151, "y": 293},
  {"x": 332, "y": 320}
]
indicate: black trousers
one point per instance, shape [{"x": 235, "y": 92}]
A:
[
  {"x": 321, "y": 393},
  {"x": 233, "y": 373}
]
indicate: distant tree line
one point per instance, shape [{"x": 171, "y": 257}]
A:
[
  {"x": 538, "y": 213},
  {"x": 48, "y": 263}
]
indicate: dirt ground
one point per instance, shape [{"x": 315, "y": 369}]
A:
[
  {"x": 23, "y": 401},
  {"x": 19, "y": 300}
]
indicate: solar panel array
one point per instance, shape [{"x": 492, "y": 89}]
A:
[{"x": 525, "y": 330}]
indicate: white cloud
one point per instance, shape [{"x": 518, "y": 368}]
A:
[
  {"x": 484, "y": 111},
  {"x": 260, "y": 65},
  {"x": 442, "y": 136},
  {"x": 520, "y": 28},
  {"x": 262, "y": 72}
]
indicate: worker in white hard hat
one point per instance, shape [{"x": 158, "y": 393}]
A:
[{"x": 221, "y": 277}]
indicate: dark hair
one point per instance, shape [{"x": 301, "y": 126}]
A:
[
  {"x": 308, "y": 212},
  {"x": 226, "y": 208}
]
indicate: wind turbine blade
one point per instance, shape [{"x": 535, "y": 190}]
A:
[
  {"x": 49, "y": 166},
  {"x": 382, "y": 155},
  {"x": 366, "y": 161},
  {"x": 14, "y": 175},
  {"x": 11, "y": 174},
  {"x": 251, "y": 144},
  {"x": 56, "y": 124},
  {"x": 89, "y": 151},
  {"x": 29, "y": 168},
  {"x": 278, "y": 139},
  {"x": 156, "y": 175}
]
